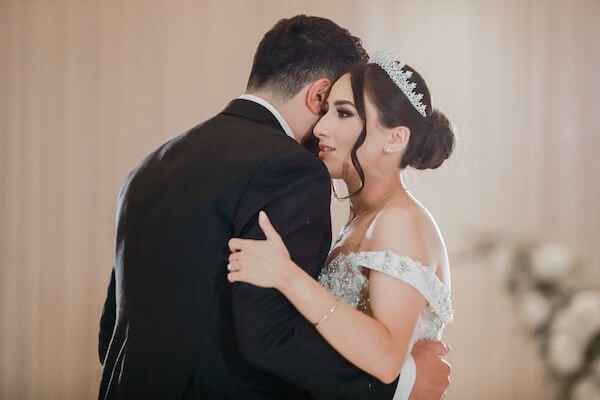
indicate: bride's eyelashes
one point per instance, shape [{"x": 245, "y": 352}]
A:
[{"x": 344, "y": 113}]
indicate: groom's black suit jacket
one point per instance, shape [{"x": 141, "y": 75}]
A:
[{"x": 173, "y": 327}]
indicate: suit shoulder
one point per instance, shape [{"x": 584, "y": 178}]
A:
[
  {"x": 269, "y": 145},
  {"x": 297, "y": 161}
]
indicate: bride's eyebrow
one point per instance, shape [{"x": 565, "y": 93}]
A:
[{"x": 342, "y": 102}]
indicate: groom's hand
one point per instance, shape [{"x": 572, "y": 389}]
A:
[{"x": 433, "y": 372}]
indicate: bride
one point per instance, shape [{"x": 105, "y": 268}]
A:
[{"x": 386, "y": 284}]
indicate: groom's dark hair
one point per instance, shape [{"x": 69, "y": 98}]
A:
[{"x": 300, "y": 50}]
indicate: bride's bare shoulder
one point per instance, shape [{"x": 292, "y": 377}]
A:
[{"x": 405, "y": 230}]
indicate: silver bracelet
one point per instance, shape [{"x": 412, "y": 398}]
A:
[{"x": 329, "y": 313}]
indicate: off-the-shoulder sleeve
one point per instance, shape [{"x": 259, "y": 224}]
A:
[{"x": 414, "y": 273}]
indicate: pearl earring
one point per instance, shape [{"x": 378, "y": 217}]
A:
[{"x": 388, "y": 149}]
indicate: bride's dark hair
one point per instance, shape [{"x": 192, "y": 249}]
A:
[{"x": 431, "y": 138}]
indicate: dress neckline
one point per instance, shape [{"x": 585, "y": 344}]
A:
[
  {"x": 382, "y": 252},
  {"x": 426, "y": 268},
  {"x": 420, "y": 276}
]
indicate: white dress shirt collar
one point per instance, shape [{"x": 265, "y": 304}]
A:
[{"x": 272, "y": 110}]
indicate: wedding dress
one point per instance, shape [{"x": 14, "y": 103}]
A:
[{"x": 343, "y": 278}]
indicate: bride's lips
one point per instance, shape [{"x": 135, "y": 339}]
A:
[{"x": 324, "y": 150}]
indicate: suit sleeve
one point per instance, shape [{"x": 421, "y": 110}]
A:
[
  {"x": 294, "y": 190},
  {"x": 107, "y": 320}
]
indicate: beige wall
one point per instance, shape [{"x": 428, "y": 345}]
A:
[{"x": 89, "y": 87}]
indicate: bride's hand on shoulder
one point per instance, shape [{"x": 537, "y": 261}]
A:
[{"x": 266, "y": 263}]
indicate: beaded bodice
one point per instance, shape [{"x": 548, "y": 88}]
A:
[{"x": 344, "y": 278}]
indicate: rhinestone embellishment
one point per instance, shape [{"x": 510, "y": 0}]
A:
[{"x": 343, "y": 277}]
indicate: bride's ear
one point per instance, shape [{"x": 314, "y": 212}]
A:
[
  {"x": 317, "y": 94},
  {"x": 397, "y": 139}
]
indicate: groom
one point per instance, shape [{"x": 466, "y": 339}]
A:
[{"x": 173, "y": 327}]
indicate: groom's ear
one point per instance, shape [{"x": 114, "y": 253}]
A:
[{"x": 317, "y": 94}]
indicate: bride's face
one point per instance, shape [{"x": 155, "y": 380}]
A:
[{"x": 339, "y": 129}]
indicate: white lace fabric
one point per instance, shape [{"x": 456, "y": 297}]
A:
[{"x": 343, "y": 278}]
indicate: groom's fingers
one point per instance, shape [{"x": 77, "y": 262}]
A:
[
  {"x": 436, "y": 347},
  {"x": 448, "y": 348},
  {"x": 440, "y": 348},
  {"x": 445, "y": 349}
]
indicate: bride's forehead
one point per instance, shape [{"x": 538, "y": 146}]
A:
[{"x": 342, "y": 88}]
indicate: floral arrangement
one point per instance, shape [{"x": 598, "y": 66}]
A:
[{"x": 556, "y": 309}]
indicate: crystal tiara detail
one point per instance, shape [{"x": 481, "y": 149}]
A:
[{"x": 392, "y": 65}]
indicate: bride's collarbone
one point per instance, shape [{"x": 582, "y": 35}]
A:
[
  {"x": 345, "y": 246},
  {"x": 352, "y": 236}
]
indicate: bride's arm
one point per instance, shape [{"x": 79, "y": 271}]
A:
[{"x": 378, "y": 344}]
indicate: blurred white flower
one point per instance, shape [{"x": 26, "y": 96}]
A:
[
  {"x": 551, "y": 262},
  {"x": 564, "y": 353},
  {"x": 534, "y": 309},
  {"x": 572, "y": 330},
  {"x": 541, "y": 278},
  {"x": 587, "y": 389}
]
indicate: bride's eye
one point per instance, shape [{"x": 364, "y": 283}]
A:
[{"x": 343, "y": 113}]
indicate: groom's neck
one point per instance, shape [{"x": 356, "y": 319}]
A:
[
  {"x": 269, "y": 96},
  {"x": 289, "y": 109}
]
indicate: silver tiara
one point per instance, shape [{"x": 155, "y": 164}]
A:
[{"x": 392, "y": 65}]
